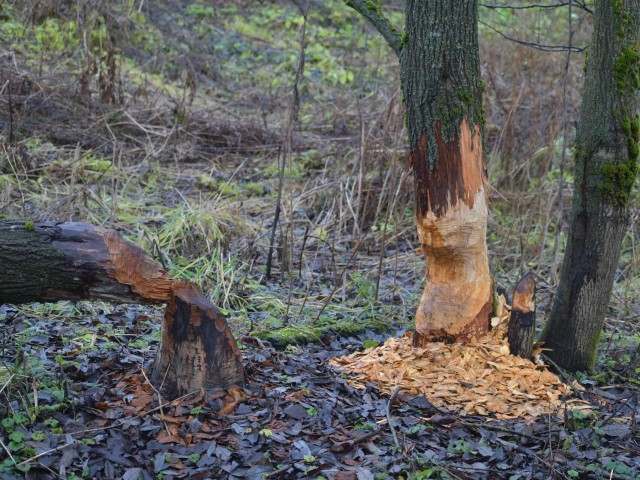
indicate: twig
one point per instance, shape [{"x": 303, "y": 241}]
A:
[
  {"x": 157, "y": 393},
  {"x": 393, "y": 432},
  {"x": 42, "y": 454},
  {"x": 345, "y": 446},
  {"x": 277, "y": 472},
  {"x": 488, "y": 426},
  {"x": 8, "y": 452},
  {"x": 563, "y": 155},
  {"x": 538, "y": 46},
  {"x": 335, "y": 288},
  {"x": 7, "y": 382},
  {"x": 505, "y": 6},
  {"x": 276, "y": 217},
  {"x": 120, "y": 422}
]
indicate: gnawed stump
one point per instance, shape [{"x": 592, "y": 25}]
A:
[
  {"x": 523, "y": 317},
  {"x": 197, "y": 349}
]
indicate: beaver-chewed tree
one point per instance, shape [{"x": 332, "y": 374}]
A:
[
  {"x": 440, "y": 76},
  {"x": 47, "y": 262},
  {"x": 607, "y": 156}
]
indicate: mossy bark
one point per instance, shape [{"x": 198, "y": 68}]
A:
[
  {"x": 442, "y": 88},
  {"x": 605, "y": 171}
]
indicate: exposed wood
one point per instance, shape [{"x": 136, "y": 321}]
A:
[
  {"x": 49, "y": 261},
  {"x": 452, "y": 215},
  {"x": 522, "y": 322}
]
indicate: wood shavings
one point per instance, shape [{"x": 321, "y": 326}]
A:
[{"x": 478, "y": 378}]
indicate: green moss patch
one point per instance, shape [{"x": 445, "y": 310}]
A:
[{"x": 301, "y": 334}]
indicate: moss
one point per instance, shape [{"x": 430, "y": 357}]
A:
[
  {"x": 2, "y": 216},
  {"x": 466, "y": 97},
  {"x": 374, "y": 7},
  {"x": 283, "y": 337},
  {"x": 617, "y": 6},
  {"x": 619, "y": 180},
  {"x": 29, "y": 226},
  {"x": 301, "y": 335},
  {"x": 627, "y": 67},
  {"x": 635, "y": 128}
]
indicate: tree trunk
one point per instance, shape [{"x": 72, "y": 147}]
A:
[
  {"x": 47, "y": 262},
  {"x": 522, "y": 323},
  {"x": 441, "y": 83},
  {"x": 606, "y": 167}
]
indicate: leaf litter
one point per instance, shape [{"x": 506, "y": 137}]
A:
[{"x": 300, "y": 417}]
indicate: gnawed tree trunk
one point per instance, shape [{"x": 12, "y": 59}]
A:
[
  {"x": 440, "y": 74},
  {"x": 47, "y": 262},
  {"x": 606, "y": 169},
  {"x": 441, "y": 82},
  {"x": 522, "y": 323}
]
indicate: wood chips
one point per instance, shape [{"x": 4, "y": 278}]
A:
[{"x": 477, "y": 378}]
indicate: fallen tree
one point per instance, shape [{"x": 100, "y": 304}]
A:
[{"x": 48, "y": 262}]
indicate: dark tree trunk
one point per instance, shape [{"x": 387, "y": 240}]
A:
[
  {"x": 47, "y": 262},
  {"x": 442, "y": 87},
  {"x": 522, "y": 323},
  {"x": 606, "y": 168}
]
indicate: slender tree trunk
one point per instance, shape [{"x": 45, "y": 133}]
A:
[
  {"x": 75, "y": 261},
  {"x": 442, "y": 87},
  {"x": 605, "y": 171}
]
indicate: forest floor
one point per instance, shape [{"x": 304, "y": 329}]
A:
[{"x": 185, "y": 147}]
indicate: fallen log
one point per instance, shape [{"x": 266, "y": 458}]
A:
[
  {"x": 48, "y": 262},
  {"x": 522, "y": 322}
]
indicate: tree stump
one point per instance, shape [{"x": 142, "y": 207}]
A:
[
  {"x": 197, "y": 349},
  {"x": 48, "y": 262},
  {"x": 522, "y": 323}
]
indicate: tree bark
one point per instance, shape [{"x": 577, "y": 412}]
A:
[
  {"x": 522, "y": 322},
  {"x": 441, "y": 83},
  {"x": 47, "y": 262},
  {"x": 605, "y": 171}
]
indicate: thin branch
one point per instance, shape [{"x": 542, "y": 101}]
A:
[
  {"x": 369, "y": 10},
  {"x": 539, "y": 46},
  {"x": 388, "y": 412},
  {"x": 581, "y": 5}
]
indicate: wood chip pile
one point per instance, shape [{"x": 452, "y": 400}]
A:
[{"x": 478, "y": 378}]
